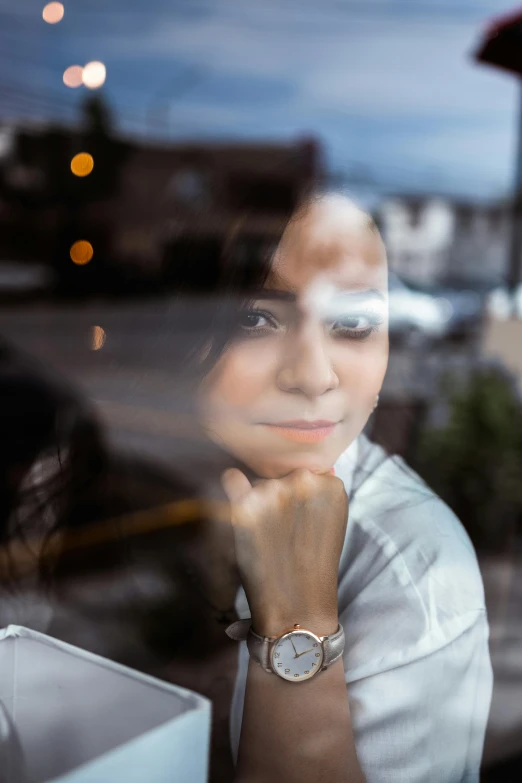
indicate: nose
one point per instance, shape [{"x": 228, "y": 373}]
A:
[{"x": 306, "y": 366}]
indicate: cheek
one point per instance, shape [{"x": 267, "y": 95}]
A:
[
  {"x": 240, "y": 379},
  {"x": 361, "y": 370}
]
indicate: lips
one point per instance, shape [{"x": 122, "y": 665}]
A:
[
  {"x": 305, "y": 424},
  {"x": 302, "y": 431}
]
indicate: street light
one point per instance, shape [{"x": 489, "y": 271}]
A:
[
  {"x": 501, "y": 47},
  {"x": 53, "y": 13},
  {"x": 72, "y": 76},
  {"x": 82, "y": 164},
  {"x": 94, "y": 75}
]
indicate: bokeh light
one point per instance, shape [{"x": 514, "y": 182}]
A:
[
  {"x": 98, "y": 337},
  {"x": 72, "y": 76},
  {"x": 82, "y": 164},
  {"x": 94, "y": 74},
  {"x": 81, "y": 252},
  {"x": 53, "y": 13}
]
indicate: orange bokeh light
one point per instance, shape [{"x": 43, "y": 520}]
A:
[
  {"x": 81, "y": 252},
  {"x": 97, "y": 338},
  {"x": 94, "y": 74},
  {"x": 82, "y": 164},
  {"x": 53, "y": 13},
  {"x": 73, "y": 76}
]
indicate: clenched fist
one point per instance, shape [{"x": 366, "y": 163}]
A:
[{"x": 289, "y": 535}]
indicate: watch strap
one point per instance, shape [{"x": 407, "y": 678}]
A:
[
  {"x": 259, "y": 648},
  {"x": 238, "y": 631},
  {"x": 333, "y": 647}
]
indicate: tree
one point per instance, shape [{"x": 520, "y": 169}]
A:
[{"x": 474, "y": 461}]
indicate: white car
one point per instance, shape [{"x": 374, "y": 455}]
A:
[
  {"x": 417, "y": 313},
  {"x": 501, "y": 305}
]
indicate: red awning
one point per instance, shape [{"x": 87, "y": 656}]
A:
[{"x": 502, "y": 43}]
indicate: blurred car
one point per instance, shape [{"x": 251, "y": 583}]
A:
[
  {"x": 467, "y": 310},
  {"x": 21, "y": 277},
  {"x": 500, "y": 304},
  {"x": 415, "y": 313},
  {"x": 464, "y": 305}
]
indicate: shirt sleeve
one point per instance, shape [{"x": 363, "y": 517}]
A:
[{"x": 424, "y": 721}]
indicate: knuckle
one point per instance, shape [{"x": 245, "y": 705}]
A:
[
  {"x": 338, "y": 485},
  {"x": 304, "y": 477}
]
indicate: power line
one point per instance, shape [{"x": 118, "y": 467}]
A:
[
  {"x": 52, "y": 102},
  {"x": 414, "y": 6},
  {"x": 359, "y": 11}
]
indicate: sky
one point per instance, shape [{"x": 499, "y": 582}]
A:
[{"x": 389, "y": 86}]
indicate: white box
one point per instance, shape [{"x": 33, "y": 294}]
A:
[{"x": 74, "y": 717}]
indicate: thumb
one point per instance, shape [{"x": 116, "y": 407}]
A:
[{"x": 235, "y": 484}]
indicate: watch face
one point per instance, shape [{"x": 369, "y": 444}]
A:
[{"x": 297, "y": 656}]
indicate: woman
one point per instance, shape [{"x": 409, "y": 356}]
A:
[
  {"x": 282, "y": 369},
  {"x": 409, "y": 698}
]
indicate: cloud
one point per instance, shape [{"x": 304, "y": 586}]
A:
[
  {"x": 385, "y": 83},
  {"x": 334, "y": 61}
]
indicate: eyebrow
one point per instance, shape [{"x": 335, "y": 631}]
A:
[{"x": 279, "y": 294}]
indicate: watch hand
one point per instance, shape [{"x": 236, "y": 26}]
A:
[
  {"x": 304, "y": 653},
  {"x": 293, "y": 645}
]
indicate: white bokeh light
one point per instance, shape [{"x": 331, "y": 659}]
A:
[
  {"x": 72, "y": 76},
  {"x": 53, "y": 13},
  {"x": 94, "y": 74}
]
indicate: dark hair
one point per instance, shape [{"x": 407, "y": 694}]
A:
[
  {"x": 43, "y": 421},
  {"x": 41, "y": 415}
]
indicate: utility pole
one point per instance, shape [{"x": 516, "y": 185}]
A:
[
  {"x": 515, "y": 248},
  {"x": 501, "y": 47}
]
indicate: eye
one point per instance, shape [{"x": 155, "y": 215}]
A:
[
  {"x": 256, "y": 322},
  {"x": 356, "y": 326}
]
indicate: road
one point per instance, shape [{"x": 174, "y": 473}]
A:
[{"x": 117, "y": 355}]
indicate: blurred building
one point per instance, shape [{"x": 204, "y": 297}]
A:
[
  {"x": 190, "y": 195},
  {"x": 143, "y": 204},
  {"x": 444, "y": 241}
]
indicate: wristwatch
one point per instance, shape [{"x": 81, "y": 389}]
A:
[{"x": 296, "y": 655}]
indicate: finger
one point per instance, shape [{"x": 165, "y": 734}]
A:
[{"x": 235, "y": 484}]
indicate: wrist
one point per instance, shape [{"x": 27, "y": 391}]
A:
[{"x": 275, "y": 624}]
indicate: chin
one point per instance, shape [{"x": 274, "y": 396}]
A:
[{"x": 273, "y": 469}]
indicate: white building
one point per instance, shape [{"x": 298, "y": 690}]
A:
[{"x": 432, "y": 239}]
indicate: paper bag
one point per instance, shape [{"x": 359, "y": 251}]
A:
[{"x": 68, "y": 716}]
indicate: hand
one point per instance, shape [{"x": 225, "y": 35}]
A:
[
  {"x": 304, "y": 653},
  {"x": 289, "y": 535},
  {"x": 293, "y": 645}
]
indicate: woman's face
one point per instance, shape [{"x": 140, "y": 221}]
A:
[{"x": 298, "y": 384}]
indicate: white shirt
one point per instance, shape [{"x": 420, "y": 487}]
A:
[{"x": 411, "y": 602}]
